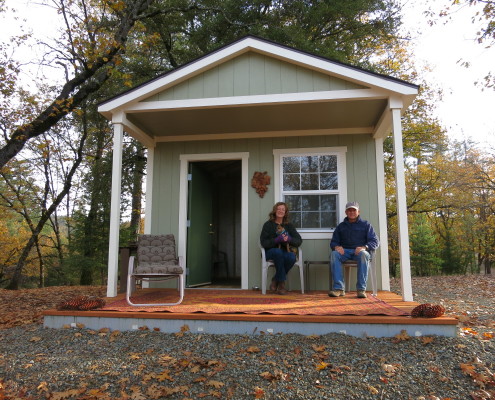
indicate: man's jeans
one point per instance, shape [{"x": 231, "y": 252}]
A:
[
  {"x": 283, "y": 260},
  {"x": 337, "y": 271}
]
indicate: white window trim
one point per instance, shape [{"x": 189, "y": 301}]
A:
[{"x": 340, "y": 152}]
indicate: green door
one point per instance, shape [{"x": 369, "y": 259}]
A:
[{"x": 199, "y": 232}]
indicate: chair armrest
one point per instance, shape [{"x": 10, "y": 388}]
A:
[{"x": 180, "y": 260}]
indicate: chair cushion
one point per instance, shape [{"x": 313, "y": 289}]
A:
[{"x": 156, "y": 255}]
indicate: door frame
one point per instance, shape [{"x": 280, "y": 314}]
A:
[{"x": 185, "y": 159}]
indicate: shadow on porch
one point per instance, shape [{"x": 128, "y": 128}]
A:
[{"x": 249, "y": 312}]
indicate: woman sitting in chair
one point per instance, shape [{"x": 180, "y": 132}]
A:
[{"x": 277, "y": 237}]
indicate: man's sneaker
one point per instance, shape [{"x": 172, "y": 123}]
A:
[
  {"x": 361, "y": 294},
  {"x": 336, "y": 293}
]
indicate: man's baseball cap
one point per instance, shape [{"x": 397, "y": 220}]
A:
[{"x": 352, "y": 204}]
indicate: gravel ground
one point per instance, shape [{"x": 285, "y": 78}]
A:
[{"x": 41, "y": 363}]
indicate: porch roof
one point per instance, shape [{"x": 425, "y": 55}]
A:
[{"x": 359, "y": 104}]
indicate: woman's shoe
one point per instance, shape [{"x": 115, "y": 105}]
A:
[
  {"x": 273, "y": 285},
  {"x": 281, "y": 288}
]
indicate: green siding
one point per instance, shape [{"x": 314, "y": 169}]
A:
[
  {"x": 252, "y": 74},
  {"x": 361, "y": 181}
]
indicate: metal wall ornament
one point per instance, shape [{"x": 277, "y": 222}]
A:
[{"x": 260, "y": 181}]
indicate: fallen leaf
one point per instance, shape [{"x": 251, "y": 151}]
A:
[
  {"x": 427, "y": 339},
  {"x": 164, "y": 376},
  {"x": 402, "y": 336},
  {"x": 468, "y": 369},
  {"x": 253, "y": 349},
  {"x": 319, "y": 349},
  {"x": 259, "y": 393},
  {"x": 322, "y": 365},
  {"x": 373, "y": 390},
  {"x": 215, "y": 384},
  {"x": 390, "y": 369}
]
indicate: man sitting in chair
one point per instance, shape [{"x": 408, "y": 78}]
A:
[{"x": 353, "y": 239}]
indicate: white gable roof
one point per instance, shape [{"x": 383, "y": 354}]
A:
[{"x": 140, "y": 117}]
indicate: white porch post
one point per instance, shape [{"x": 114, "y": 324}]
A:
[
  {"x": 382, "y": 215},
  {"x": 405, "y": 261},
  {"x": 113, "y": 248}
]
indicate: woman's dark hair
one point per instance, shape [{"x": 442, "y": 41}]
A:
[{"x": 273, "y": 213}]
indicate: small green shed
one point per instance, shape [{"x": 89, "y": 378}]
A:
[{"x": 314, "y": 126}]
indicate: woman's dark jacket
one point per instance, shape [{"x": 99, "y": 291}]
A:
[{"x": 269, "y": 233}]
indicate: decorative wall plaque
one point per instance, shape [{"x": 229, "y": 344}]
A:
[{"x": 260, "y": 181}]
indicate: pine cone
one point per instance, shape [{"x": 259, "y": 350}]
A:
[
  {"x": 428, "y": 310},
  {"x": 72, "y": 304},
  {"x": 92, "y": 304}
]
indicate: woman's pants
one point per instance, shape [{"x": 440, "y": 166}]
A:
[{"x": 283, "y": 260}]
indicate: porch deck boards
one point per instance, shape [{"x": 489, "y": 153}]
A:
[{"x": 368, "y": 325}]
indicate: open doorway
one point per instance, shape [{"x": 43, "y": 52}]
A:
[{"x": 214, "y": 224}]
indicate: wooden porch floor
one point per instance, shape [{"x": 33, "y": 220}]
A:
[{"x": 360, "y": 326}]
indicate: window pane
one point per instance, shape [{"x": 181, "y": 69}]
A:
[
  {"x": 295, "y": 219},
  {"x": 309, "y": 182},
  {"x": 292, "y": 182},
  {"x": 309, "y": 163},
  {"x": 329, "y": 219},
  {"x": 310, "y": 219},
  {"x": 328, "y": 163},
  {"x": 328, "y": 181},
  {"x": 328, "y": 203},
  {"x": 310, "y": 203},
  {"x": 293, "y": 202},
  {"x": 291, "y": 164}
]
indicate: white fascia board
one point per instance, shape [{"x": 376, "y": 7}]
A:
[
  {"x": 284, "y": 98},
  {"x": 282, "y": 53}
]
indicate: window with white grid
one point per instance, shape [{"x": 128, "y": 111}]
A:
[{"x": 311, "y": 183}]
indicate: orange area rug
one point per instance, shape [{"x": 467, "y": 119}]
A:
[{"x": 249, "y": 302}]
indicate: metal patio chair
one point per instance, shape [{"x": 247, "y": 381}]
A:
[{"x": 156, "y": 261}]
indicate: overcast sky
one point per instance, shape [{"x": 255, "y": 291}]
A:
[{"x": 466, "y": 110}]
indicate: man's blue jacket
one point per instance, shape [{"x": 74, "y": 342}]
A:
[{"x": 357, "y": 234}]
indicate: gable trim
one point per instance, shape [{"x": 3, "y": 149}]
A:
[{"x": 251, "y": 43}]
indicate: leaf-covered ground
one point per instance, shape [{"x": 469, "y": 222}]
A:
[
  {"x": 23, "y": 307},
  {"x": 469, "y": 298},
  {"x": 78, "y": 363}
]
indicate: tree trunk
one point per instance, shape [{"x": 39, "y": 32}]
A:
[
  {"x": 16, "y": 280},
  {"x": 137, "y": 191}
]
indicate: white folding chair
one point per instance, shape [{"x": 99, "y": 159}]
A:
[{"x": 265, "y": 264}]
